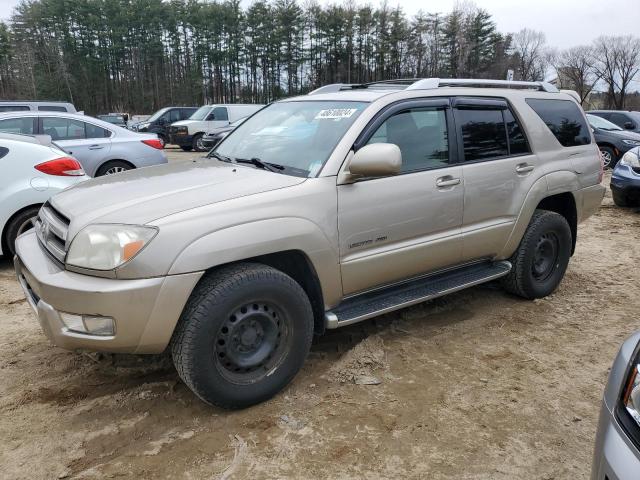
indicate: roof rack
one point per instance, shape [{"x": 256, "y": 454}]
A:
[{"x": 431, "y": 83}]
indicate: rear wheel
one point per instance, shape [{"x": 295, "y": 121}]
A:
[
  {"x": 19, "y": 224},
  {"x": 541, "y": 260},
  {"x": 113, "y": 167},
  {"x": 608, "y": 157},
  {"x": 243, "y": 335}
]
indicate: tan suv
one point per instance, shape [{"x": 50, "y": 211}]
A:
[{"x": 317, "y": 212}]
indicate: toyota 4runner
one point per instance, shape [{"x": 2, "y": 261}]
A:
[{"x": 317, "y": 212}]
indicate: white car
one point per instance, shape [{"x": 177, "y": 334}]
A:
[
  {"x": 188, "y": 133},
  {"x": 101, "y": 147},
  {"x": 31, "y": 173}
]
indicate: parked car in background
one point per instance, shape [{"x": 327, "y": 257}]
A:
[
  {"x": 317, "y": 212},
  {"x": 35, "y": 106},
  {"x": 617, "y": 447},
  {"x": 119, "y": 119},
  {"x": 612, "y": 140},
  {"x": 101, "y": 148},
  {"x": 624, "y": 119},
  {"x": 625, "y": 180},
  {"x": 160, "y": 121},
  {"x": 212, "y": 138},
  {"x": 188, "y": 133},
  {"x": 31, "y": 173}
]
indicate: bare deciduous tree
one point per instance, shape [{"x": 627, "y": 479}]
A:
[
  {"x": 529, "y": 47},
  {"x": 617, "y": 63},
  {"x": 576, "y": 70}
]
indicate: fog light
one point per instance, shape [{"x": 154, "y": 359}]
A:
[
  {"x": 88, "y": 324},
  {"x": 99, "y": 325}
]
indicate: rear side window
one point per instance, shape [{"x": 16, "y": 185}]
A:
[
  {"x": 483, "y": 134},
  {"x": 14, "y": 108},
  {"x": 93, "y": 131},
  {"x": 51, "y": 108},
  {"x": 23, "y": 125},
  {"x": 564, "y": 119},
  {"x": 517, "y": 141},
  {"x": 59, "y": 128}
]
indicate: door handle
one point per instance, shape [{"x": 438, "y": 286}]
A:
[
  {"x": 447, "y": 181},
  {"x": 524, "y": 168},
  {"x": 95, "y": 147}
]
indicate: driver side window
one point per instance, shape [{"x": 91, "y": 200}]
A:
[{"x": 421, "y": 135}]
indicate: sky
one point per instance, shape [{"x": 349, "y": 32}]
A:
[{"x": 566, "y": 23}]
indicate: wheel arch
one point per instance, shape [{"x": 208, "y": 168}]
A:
[
  {"x": 111, "y": 160},
  {"x": 563, "y": 204},
  {"x": 4, "y": 248}
]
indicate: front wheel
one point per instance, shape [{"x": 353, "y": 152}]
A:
[
  {"x": 541, "y": 260},
  {"x": 198, "y": 144},
  {"x": 608, "y": 157},
  {"x": 243, "y": 335}
]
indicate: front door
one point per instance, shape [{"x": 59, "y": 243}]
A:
[{"x": 402, "y": 226}]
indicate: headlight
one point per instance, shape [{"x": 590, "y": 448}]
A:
[
  {"x": 631, "y": 396},
  {"x": 108, "y": 246},
  {"x": 630, "y": 159},
  {"x": 631, "y": 142}
]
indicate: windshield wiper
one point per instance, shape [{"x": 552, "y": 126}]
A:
[
  {"x": 272, "y": 167},
  {"x": 218, "y": 156}
]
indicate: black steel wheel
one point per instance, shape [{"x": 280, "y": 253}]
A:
[{"x": 243, "y": 335}]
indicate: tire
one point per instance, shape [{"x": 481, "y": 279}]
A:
[
  {"x": 17, "y": 226},
  {"x": 243, "y": 335},
  {"x": 541, "y": 260},
  {"x": 113, "y": 167},
  {"x": 608, "y": 157},
  {"x": 620, "y": 199},
  {"x": 186, "y": 148},
  {"x": 196, "y": 144}
]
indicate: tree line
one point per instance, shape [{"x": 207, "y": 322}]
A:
[{"x": 140, "y": 55}]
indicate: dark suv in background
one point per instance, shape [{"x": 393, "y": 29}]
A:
[
  {"x": 160, "y": 121},
  {"x": 612, "y": 140},
  {"x": 624, "y": 119}
]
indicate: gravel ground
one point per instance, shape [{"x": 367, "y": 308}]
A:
[{"x": 476, "y": 385}]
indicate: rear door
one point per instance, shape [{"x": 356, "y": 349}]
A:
[
  {"x": 87, "y": 142},
  {"x": 396, "y": 227},
  {"x": 498, "y": 168}
]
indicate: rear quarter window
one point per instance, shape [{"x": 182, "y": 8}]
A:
[
  {"x": 3, "y": 151},
  {"x": 564, "y": 119}
]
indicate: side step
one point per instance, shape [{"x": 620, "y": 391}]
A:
[{"x": 374, "y": 303}]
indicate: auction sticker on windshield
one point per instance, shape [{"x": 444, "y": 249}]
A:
[{"x": 333, "y": 113}]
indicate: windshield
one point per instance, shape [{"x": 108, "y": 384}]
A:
[
  {"x": 599, "y": 122},
  {"x": 201, "y": 113},
  {"x": 157, "y": 115},
  {"x": 300, "y": 136}
]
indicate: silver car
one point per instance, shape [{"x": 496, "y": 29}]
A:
[
  {"x": 101, "y": 147},
  {"x": 617, "y": 451}
]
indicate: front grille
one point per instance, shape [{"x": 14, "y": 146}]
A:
[{"x": 51, "y": 228}]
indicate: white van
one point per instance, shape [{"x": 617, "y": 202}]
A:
[
  {"x": 188, "y": 133},
  {"x": 42, "y": 106}
]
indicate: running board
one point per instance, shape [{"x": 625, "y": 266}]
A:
[{"x": 372, "y": 304}]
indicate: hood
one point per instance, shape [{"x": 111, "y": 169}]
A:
[
  {"x": 184, "y": 123},
  {"x": 142, "y": 195},
  {"x": 219, "y": 130},
  {"x": 620, "y": 134}
]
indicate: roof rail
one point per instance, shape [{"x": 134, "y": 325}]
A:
[{"x": 431, "y": 83}]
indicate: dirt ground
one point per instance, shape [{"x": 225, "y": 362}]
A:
[{"x": 477, "y": 385}]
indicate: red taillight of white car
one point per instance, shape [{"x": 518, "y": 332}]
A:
[
  {"x": 155, "y": 143},
  {"x": 61, "y": 167}
]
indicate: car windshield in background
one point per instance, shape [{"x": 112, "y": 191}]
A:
[
  {"x": 599, "y": 122},
  {"x": 201, "y": 113},
  {"x": 299, "y": 136},
  {"x": 115, "y": 119},
  {"x": 157, "y": 115}
]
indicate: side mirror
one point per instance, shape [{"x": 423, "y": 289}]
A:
[
  {"x": 376, "y": 160},
  {"x": 629, "y": 125}
]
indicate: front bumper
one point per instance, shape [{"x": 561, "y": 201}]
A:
[
  {"x": 625, "y": 180},
  {"x": 615, "y": 457},
  {"x": 183, "y": 140},
  {"x": 145, "y": 311}
]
